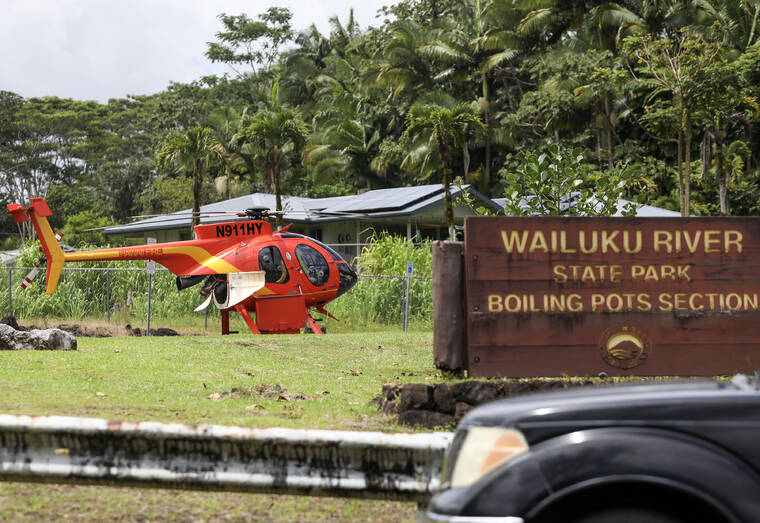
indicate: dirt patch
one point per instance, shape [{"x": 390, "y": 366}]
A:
[
  {"x": 262, "y": 390},
  {"x": 91, "y": 331},
  {"x": 137, "y": 331}
]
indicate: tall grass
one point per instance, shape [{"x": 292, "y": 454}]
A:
[
  {"x": 377, "y": 300},
  {"x": 83, "y": 293}
]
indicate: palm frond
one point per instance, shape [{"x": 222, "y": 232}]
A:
[{"x": 535, "y": 21}]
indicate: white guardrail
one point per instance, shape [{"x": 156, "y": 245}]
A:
[{"x": 374, "y": 465}]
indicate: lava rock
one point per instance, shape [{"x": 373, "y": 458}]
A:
[
  {"x": 444, "y": 400},
  {"x": 460, "y": 410},
  {"x": 427, "y": 418},
  {"x": 388, "y": 400},
  {"x": 11, "y": 321},
  {"x": 475, "y": 392},
  {"x": 48, "y": 339},
  {"x": 416, "y": 396}
]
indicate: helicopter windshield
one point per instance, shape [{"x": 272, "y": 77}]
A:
[
  {"x": 333, "y": 254},
  {"x": 313, "y": 264}
]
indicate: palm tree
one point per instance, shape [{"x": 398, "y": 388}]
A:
[
  {"x": 446, "y": 130},
  {"x": 274, "y": 134},
  {"x": 402, "y": 66},
  {"x": 478, "y": 40},
  {"x": 196, "y": 151},
  {"x": 737, "y": 23}
]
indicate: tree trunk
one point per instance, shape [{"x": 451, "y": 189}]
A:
[
  {"x": 722, "y": 181},
  {"x": 466, "y": 162},
  {"x": 277, "y": 195},
  {"x": 597, "y": 116},
  {"x": 196, "y": 194},
  {"x": 487, "y": 170},
  {"x": 608, "y": 127},
  {"x": 274, "y": 158},
  {"x": 723, "y": 195},
  {"x": 681, "y": 188},
  {"x": 687, "y": 176},
  {"x": 449, "y": 204}
]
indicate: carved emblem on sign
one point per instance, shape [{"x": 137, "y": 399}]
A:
[{"x": 624, "y": 346}]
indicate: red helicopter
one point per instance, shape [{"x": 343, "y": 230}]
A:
[{"x": 246, "y": 267}]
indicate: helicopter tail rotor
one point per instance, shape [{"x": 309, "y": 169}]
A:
[
  {"x": 32, "y": 274},
  {"x": 37, "y": 212}
]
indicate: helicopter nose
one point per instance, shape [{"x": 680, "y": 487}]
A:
[{"x": 348, "y": 278}]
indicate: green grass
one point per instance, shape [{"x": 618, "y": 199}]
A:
[
  {"x": 32, "y": 502},
  {"x": 171, "y": 379}
]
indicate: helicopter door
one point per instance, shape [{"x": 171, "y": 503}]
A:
[
  {"x": 237, "y": 287},
  {"x": 271, "y": 262},
  {"x": 313, "y": 264}
]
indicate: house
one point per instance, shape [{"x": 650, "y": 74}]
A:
[{"x": 343, "y": 222}]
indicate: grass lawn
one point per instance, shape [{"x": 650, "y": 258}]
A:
[{"x": 324, "y": 382}]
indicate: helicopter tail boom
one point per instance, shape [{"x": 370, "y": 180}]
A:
[{"x": 37, "y": 212}]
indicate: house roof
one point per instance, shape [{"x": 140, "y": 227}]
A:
[
  {"x": 384, "y": 204},
  {"x": 642, "y": 211}
]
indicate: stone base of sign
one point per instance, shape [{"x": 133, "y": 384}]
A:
[{"x": 444, "y": 404}]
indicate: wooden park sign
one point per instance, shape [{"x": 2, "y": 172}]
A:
[{"x": 624, "y": 296}]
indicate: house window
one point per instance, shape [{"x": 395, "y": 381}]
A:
[
  {"x": 270, "y": 261},
  {"x": 313, "y": 264}
]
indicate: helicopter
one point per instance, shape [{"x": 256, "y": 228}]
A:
[{"x": 244, "y": 265}]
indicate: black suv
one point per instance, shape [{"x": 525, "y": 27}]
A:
[{"x": 676, "y": 452}]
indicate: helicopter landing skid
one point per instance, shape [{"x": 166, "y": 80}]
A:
[
  {"x": 246, "y": 318},
  {"x": 313, "y": 324}
]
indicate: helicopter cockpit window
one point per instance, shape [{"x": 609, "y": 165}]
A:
[
  {"x": 270, "y": 261},
  {"x": 313, "y": 264}
]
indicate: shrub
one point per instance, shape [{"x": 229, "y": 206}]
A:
[{"x": 376, "y": 299}]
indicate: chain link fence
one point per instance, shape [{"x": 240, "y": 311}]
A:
[{"x": 117, "y": 294}]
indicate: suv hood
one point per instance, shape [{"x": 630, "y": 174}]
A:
[{"x": 664, "y": 404}]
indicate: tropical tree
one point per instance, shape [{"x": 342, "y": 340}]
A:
[
  {"x": 277, "y": 137},
  {"x": 674, "y": 73},
  {"x": 195, "y": 151},
  {"x": 476, "y": 41},
  {"x": 246, "y": 44},
  {"x": 446, "y": 131},
  {"x": 403, "y": 67}
]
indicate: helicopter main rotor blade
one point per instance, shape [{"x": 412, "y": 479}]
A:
[
  {"x": 183, "y": 214},
  {"x": 168, "y": 219}
]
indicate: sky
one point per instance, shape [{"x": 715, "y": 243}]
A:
[{"x": 101, "y": 49}]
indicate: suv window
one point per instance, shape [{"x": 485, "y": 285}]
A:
[
  {"x": 270, "y": 261},
  {"x": 313, "y": 264}
]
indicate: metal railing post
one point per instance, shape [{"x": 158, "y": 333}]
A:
[
  {"x": 10, "y": 291},
  {"x": 150, "y": 289},
  {"x": 108, "y": 296},
  {"x": 150, "y": 268},
  {"x": 409, "y": 269}
]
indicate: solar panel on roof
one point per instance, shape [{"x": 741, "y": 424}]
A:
[{"x": 385, "y": 199}]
